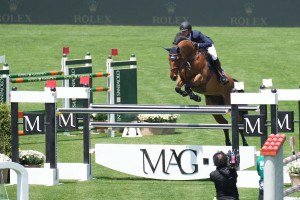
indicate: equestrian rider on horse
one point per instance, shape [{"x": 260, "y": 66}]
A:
[{"x": 202, "y": 41}]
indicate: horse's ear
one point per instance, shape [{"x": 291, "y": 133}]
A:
[{"x": 167, "y": 48}]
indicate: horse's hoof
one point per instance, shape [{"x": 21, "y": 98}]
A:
[
  {"x": 184, "y": 94},
  {"x": 245, "y": 143},
  {"x": 228, "y": 143},
  {"x": 195, "y": 98}
]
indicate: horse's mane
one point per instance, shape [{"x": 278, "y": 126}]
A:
[{"x": 179, "y": 37}]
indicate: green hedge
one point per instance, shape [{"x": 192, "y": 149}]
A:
[{"x": 5, "y": 130}]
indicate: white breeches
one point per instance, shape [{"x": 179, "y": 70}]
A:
[{"x": 212, "y": 51}]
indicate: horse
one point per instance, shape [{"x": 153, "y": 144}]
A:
[{"x": 190, "y": 67}]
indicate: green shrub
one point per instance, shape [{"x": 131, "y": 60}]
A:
[
  {"x": 99, "y": 116},
  {"x": 5, "y": 130}
]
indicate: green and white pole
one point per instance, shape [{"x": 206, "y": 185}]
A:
[
  {"x": 123, "y": 87},
  {"x": 65, "y": 83},
  {"x": 110, "y": 95},
  {"x": 34, "y": 74},
  {"x": 90, "y": 69},
  {"x": 58, "y": 77},
  {"x": 77, "y": 67},
  {"x": 4, "y": 84},
  {"x": 133, "y": 58}
]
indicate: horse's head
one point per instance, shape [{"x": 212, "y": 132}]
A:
[
  {"x": 177, "y": 56},
  {"x": 174, "y": 59}
]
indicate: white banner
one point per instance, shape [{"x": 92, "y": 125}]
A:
[{"x": 167, "y": 162}]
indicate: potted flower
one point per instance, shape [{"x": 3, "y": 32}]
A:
[
  {"x": 157, "y": 118},
  {"x": 31, "y": 158},
  {"x": 294, "y": 172},
  {"x": 4, "y": 158}
]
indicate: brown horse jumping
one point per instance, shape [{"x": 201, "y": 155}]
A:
[{"x": 190, "y": 68}]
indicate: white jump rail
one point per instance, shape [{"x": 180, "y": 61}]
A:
[
  {"x": 285, "y": 94},
  {"x": 49, "y": 175},
  {"x": 74, "y": 171},
  {"x": 22, "y": 178}
]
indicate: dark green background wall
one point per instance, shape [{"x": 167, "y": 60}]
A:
[{"x": 263, "y": 13}]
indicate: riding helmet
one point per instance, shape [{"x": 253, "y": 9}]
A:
[{"x": 185, "y": 26}]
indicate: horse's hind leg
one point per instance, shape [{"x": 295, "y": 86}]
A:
[
  {"x": 241, "y": 113},
  {"x": 219, "y": 100},
  {"x": 245, "y": 143},
  {"x": 221, "y": 120}
]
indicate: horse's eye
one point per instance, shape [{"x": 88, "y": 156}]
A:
[{"x": 173, "y": 57}]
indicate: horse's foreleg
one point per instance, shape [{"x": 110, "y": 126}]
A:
[
  {"x": 178, "y": 88},
  {"x": 181, "y": 92},
  {"x": 189, "y": 92},
  {"x": 197, "y": 81},
  {"x": 194, "y": 96}
]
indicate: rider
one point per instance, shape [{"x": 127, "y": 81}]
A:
[{"x": 202, "y": 41}]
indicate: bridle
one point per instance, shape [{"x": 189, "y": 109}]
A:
[{"x": 175, "y": 54}]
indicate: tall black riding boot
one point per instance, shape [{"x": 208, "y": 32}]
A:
[{"x": 223, "y": 78}]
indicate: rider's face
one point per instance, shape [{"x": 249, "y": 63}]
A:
[{"x": 186, "y": 33}]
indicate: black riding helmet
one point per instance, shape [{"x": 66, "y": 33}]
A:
[{"x": 185, "y": 26}]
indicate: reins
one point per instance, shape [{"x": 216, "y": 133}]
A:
[{"x": 186, "y": 63}]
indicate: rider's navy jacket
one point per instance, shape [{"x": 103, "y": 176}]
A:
[{"x": 202, "y": 40}]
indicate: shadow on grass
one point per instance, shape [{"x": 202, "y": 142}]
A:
[
  {"x": 59, "y": 140},
  {"x": 204, "y": 181}
]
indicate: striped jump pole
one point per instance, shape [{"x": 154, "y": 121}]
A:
[
  {"x": 34, "y": 74},
  {"x": 99, "y": 89},
  {"x": 287, "y": 192},
  {"x": 69, "y": 67},
  {"x": 291, "y": 158},
  {"x": 60, "y": 77}
]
